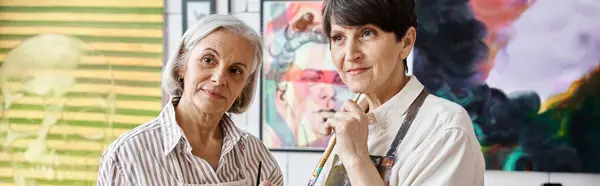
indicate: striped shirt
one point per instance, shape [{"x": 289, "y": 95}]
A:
[{"x": 158, "y": 153}]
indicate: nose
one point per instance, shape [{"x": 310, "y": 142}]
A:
[
  {"x": 218, "y": 77},
  {"x": 327, "y": 96},
  {"x": 352, "y": 50}
]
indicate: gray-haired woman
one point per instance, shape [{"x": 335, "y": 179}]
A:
[{"x": 193, "y": 141}]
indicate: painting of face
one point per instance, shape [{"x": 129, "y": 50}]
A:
[
  {"x": 301, "y": 87},
  {"x": 309, "y": 94}
]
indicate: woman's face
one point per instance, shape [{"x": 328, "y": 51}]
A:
[
  {"x": 217, "y": 70},
  {"x": 366, "y": 56}
]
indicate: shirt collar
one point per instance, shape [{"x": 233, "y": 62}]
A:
[
  {"x": 173, "y": 135},
  {"x": 171, "y": 132},
  {"x": 233, "y": 134},
  {"x": 399, "y": 103}
]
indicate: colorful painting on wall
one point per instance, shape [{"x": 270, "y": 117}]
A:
[
  {"x": 527, "y": 71},
  {"x": 74, "y": 76},
  {"x": 300, "y": 87}
]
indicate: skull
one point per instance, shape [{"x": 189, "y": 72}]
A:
[{"x": 35, "y": 79}]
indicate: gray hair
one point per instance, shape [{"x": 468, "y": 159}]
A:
[{"x": 193, "y": 36}]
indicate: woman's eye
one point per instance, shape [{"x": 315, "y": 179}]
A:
[
  {"x": 207, "y": 60},
  {"x": 367, "y": 33},
  {"x": 310, "y": 78},
  {"x": 236, "y": 71},
  {"x": 337, "y": 38}
]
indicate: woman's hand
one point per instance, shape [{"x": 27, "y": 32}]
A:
[{"x": 351, "y": 130}]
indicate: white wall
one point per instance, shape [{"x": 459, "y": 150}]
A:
[{"x": 294, "y": 164}]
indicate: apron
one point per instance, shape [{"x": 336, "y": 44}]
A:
[
  {"x": 338, "y": 175},
  {"x": 243, "y": 182}
]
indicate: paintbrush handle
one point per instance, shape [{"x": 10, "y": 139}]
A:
[{"x": 325, "y": 156}]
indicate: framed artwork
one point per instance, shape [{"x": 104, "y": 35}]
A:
[
  {"x": 194, "y": 10},
  {"x": 249, "y": 6},
  {"x": 300, "y": 87},
  {"x": 246, "y": 10},
  {"x": 528, "y": 77}
]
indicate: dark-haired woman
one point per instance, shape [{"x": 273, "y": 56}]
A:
[{"x": 400, "y": 134}]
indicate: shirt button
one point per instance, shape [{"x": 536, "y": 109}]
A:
[
  {"x": 371, "y": 118},
  {"x": 384, "y": 125}
]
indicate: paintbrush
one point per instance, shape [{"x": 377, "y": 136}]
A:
[
  {"x": 325, "y": 156},
  {"x": 258, "y": 176}
]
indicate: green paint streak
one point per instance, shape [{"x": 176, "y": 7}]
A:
[
  {"x": 124, "y": 97},
  {"x": 103, "y": 81},
  {"x": 138, "y": 98},
  {"x": 83, "y": 9},
  {"x": 96, "y": 124},
  {"x": 88, "y": 24},
  {"x": 564, "y": 127},
  {"x": 484, "y": 148},
  {"x": 65, "y": 182},
  {"x": 148, "y": 40},
  {"x": 114, "y": 67},
  {"x": 85, "y": 153},
  {"x": 120, "y": 67},
  {"x": 134, "y": 83},
  {"x": 27, "y": 165},
  {"x": 66, "y": 137},
  {"x": 6, "y": 179},
  {"x": 122, "y": 111},
  {"x": 150, "y": 55},
  {"x": 511, "y": 161}
]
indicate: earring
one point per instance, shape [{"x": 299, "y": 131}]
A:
[
  {"x": 237, "y": 102},
  {"x": 180, "y": 79}
]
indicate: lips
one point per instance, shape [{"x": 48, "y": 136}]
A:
[
  {"x": 213, "y": 94},
  {"x": 358, "y": 70}
]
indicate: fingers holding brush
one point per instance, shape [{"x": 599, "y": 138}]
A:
[
  {"x": 350, "y": 126},
  {"x": 349, "y": 106}
]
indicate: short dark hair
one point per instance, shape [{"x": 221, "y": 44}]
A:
[{"x": 389, "y": 15}]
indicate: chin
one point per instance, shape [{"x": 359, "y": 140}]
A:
[
  {"x": 210, "y": 106},
  {"x": 357, "y": 87},
  {"x": 360, "y": 84}
]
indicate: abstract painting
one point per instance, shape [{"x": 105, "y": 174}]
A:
[
  {"x": 74, "y": 75},
  {"x": 528, "y": 73},
  {"x": 300, "y": 87}
]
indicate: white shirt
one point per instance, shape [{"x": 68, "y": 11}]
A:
[
  {"x": 159, "y": 153},
  {"x": 440, "y": 147}
]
